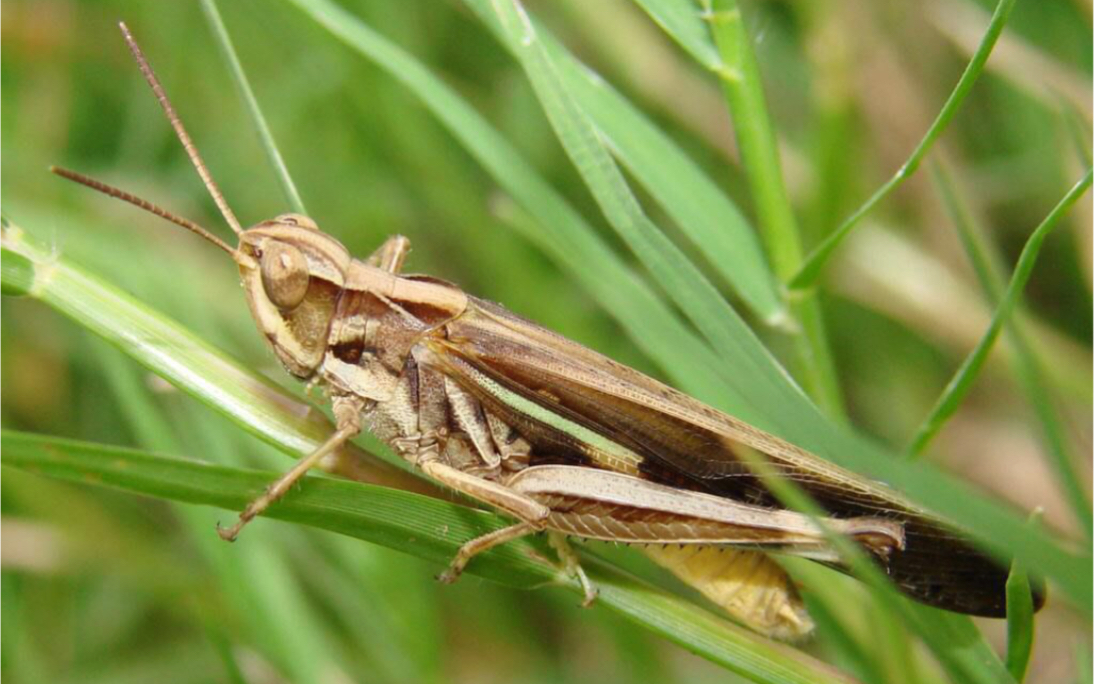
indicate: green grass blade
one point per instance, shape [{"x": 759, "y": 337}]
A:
[
  {"x": 814, "y": 264},
  {"x": 1020, "y": 615},
  {"x": 224, "y": 42},
  {"x": 678, "y": 277},
  {"x": 1028, "y": 367},
  {"x": 421, "y": 526},
  {"x": 1020, "y": 623},
  {"x": 694, "y": 202},
  {"x": 966, "y": 375},
  {"x": 744, "y": 93},
  {"x": 740, "y": 78}
]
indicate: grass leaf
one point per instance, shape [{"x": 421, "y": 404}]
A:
[
  {"x": 677, "y": 276},
  {"x": 966, "y": 375},
  {"x": 814, "y": 264},
  {"x": 744, "y": 93},
  {"x": 1027, "y": 366},
  {"x": 695, "y": 203},
  {"x": 422, "y": 526},
  {"x": 1020, "y": 625}
]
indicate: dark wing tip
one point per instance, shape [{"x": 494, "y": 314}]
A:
[{"x": 942, "y": 569}]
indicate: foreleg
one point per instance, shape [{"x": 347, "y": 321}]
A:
[{"x": 347, "y": 411}]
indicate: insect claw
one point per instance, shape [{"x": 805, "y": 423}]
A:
[
  {"x": 591, "y": 594},
  {"x": 228, "y": 534}
]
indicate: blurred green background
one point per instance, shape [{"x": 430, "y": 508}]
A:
[{"x": 100, "y": 586}]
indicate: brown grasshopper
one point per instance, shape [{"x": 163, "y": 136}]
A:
[{"x": 556, "y": 436}]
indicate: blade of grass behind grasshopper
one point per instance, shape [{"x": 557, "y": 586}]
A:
[
  {"x": 679, "y": 278},
  {"x": 739, "y": 74},
  {"x": 1027, "y": 367},
  {"x": 695, "y": 203},
  {"x": 966, "y": 375},
  {"x": 1020, "y": 623},
  {"x": 815, "y": 262},
  {"x": 426, "y": 527}
]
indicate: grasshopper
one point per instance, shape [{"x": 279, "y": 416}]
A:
[{"x": 556, "y": 436}]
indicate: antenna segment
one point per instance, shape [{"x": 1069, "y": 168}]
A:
[{"x": 184, "y": 138}]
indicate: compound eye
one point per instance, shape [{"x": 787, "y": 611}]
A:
[{"x": 284, "y": 274}]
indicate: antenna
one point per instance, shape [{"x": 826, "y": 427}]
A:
[
  {"x": 184, "y": 138},
  {"x": 110, "y": 190}
]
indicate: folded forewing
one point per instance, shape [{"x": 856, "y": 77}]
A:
[{"x": 580, "y": 407}]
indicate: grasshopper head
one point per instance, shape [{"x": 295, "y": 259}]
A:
[{"x": 292, "y": 274}]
